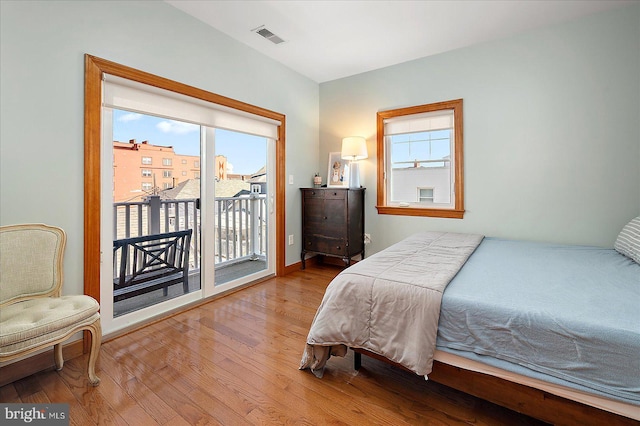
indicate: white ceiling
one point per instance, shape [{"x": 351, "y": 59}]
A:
[{"x": 327, "y": 40}]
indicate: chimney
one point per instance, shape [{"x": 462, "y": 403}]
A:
[{"x": 133, "y": 141}]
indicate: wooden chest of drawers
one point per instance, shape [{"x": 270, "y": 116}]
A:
[{"x": 333, "y": 222}]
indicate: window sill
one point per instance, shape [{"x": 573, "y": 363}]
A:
[{"x": 420, "y": 211}]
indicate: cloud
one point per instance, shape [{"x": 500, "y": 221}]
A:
[
  {"x": 132, "y": 116},
  {"x": 178, "y": 127}
]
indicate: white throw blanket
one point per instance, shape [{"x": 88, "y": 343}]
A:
[{"x": 389, "y": 304}]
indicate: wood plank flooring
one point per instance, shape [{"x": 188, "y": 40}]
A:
[{"x": 234, "y": 361}]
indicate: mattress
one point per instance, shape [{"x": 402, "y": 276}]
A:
[{"x": 569, "y": 314}]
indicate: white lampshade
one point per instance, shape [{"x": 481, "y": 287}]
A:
[{"x": 354, "y": 148}]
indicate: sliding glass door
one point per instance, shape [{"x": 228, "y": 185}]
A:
[
  {"x": 239, "y": 209},
  {"x": 187, "y": 207},
  {"x": 241, "y": 213}
]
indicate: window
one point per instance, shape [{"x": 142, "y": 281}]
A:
[
  {"x": 167, "y": 185},
  {"x": 420, "y": 160},
  {"x": 146, "y": 160},
  {"x": 184, "y": 161},
  {"x": 184, "y": 173},
  {"x": 196, "y": 164},
  {"x": 425, "y": 195},
  {"x": 166, "y": 161},
  {"x": 146, "y": 173},
  {"x": 166, "y": 173},
  {"x": 146, "y": 186},
  {"x": 196, "y": 175}
]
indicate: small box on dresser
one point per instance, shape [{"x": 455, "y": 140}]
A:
[{"x": 333, "y": 222}]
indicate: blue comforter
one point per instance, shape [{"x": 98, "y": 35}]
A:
[{"x": 569, "y": 312}]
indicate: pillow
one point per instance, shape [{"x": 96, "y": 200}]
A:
[{"x": 628, "y": 241}]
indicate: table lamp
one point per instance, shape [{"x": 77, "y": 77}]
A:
[{"x": 354, "y": 148}]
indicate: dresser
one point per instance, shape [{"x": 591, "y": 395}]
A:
[{"x": 333, "y": 222}]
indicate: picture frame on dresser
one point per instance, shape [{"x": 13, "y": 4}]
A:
[{"x": 337, "y": 171}]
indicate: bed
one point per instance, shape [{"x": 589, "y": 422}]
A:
[{"x": 559, "y": 320}]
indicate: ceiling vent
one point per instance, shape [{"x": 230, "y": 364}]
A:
[{"x": 268, "y": 35}]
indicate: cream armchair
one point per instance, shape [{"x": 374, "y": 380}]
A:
[{"x": 33, "y": 313}]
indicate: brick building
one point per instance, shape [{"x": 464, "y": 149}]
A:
[{"x": 140, "y": 169}]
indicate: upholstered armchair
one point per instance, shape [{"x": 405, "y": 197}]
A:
[{"x": 33, "y": 313}]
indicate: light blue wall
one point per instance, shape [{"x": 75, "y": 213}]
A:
[
  {"x": 551, "y": 130},
  {"x": 552, "y": 117},
  {"x": 41, "y": 105}
]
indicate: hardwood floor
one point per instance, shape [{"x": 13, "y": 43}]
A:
[{"x": 234, "y": 361}]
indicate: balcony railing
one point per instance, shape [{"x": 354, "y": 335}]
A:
[{"x": 240, "y": 225}]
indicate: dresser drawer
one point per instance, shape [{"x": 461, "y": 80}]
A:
[
  {"x": 331, "y": 246},
  {"x": 335, "y": 194},
  {"x": 313, "y": 193}
]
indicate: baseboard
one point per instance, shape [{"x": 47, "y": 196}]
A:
[
  {"x": 292, "y": 268},
  {"x": 313, "y": 260},
  {"x": 334, "y": 261},
  {"x": 42, "y": 361},
  {"x": 317, "y": 260}
]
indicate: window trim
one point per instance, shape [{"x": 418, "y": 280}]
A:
[
  {"x": 94, "y": 69},
  {"x": 457, "y": 212}
]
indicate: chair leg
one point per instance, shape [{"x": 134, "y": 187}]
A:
[
  {"x": 57, "y": 356},
  {"x": 96, "y": 338}
]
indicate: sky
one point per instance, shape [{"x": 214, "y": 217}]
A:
[
  {"x": 410, "y": 147},
  {"x": 246, "y": 153}
]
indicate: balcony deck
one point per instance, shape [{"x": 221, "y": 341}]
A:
[
  {"x": 239, "y": 231},
  {"x": 225, "y": 272}
]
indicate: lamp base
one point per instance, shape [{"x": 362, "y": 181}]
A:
[{"x": 354, "y": 175}]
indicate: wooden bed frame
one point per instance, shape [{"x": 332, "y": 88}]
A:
[{"x": 514, "y": 396}]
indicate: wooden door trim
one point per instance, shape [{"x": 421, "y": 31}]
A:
[{"x": 94, "y": 69}]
